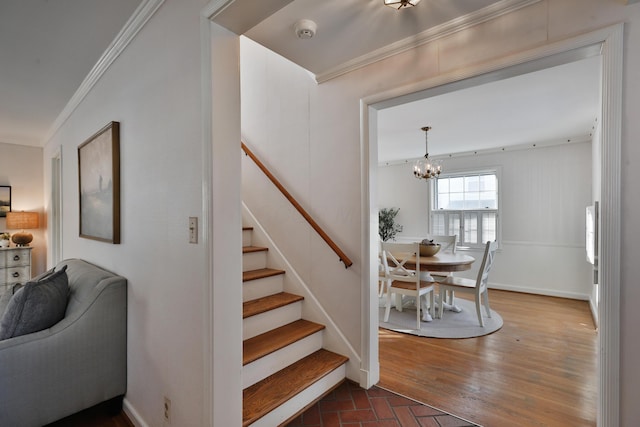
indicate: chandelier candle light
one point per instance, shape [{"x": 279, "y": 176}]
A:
[{"x": 425, "y": 168}]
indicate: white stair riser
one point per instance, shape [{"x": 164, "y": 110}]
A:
[
  {"x": 302, "y": 399},
  {"x": 272, "y": 363},
  {"x": 254, "y": 289},
  {"x": 246, "y": 237},
  {"x": 254, "y": 260},
  {"x": 263, "y": 322}
]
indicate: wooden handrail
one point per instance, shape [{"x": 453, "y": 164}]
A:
[{"x": 345, "y": 259}]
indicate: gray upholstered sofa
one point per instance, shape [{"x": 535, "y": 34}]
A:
[{"x": 77, "y": 363}]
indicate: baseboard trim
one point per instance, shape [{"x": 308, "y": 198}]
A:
[
  {"x": 539, "y": 291},
  {"x": 594, "y": 313},
  {"x": 132, "y": 414}
]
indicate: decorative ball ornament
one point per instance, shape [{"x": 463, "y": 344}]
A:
[{"x": 22, "y": 238}]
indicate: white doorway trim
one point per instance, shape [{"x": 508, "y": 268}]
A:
[
  {"x": 55, "y": 220},
  {"x": 221, "y": 221},
  {"x": 610, "y": 42}
]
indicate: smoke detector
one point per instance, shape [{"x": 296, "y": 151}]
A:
[{"x": 305, "y": 28}]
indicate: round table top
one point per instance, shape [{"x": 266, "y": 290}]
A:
[{"x": 444, "y": 261}]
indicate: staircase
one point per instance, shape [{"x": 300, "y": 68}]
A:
[{"x": 285, "y": 367}]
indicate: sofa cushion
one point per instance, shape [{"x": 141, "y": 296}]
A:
[
  {"x": 4, "y": 300},
  {"x": 6, "y": 296},
  {"x": 36, "y": 306},
  {"x": 43, "y": 276}
]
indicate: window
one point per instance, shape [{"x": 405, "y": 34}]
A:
[{"x": 466, "y": 204}]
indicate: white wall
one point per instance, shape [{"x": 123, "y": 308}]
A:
[
  {"x": 281, "y": 125},
  {"x": 318, "y": 153},
  {"x": 21, "y": 168},
  {"x": 543, "y": 196},
  {"x": 153, "y": 90}
]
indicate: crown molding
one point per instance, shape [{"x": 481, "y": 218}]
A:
[
  {"x": 142, "y": 14},
  {"x": 488, "y": 13},
  {"x": 577, "y": 139}
]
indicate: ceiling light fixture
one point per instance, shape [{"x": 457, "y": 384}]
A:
[
  {"x": 425, "y": 168},
  {"x": 399, "y": 4}
]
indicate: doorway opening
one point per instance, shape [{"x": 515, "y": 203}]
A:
[{"x": 606, "y": 43}]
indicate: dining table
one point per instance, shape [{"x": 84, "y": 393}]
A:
[{"x": 445, "y": 262}]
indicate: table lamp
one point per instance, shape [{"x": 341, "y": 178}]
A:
[{"x": 23, "y": 221}]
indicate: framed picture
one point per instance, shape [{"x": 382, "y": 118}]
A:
[
  {"x": 5, "y": 200},
  {"x": 99, "y": 185}
]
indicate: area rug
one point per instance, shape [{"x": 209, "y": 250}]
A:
[{"x": 454, "y": 325}]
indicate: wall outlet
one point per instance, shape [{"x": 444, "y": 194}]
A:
[
  {"x": 193, "y": 229},
  {"x": 167, "y": 410}
]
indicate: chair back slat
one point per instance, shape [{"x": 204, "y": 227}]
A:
[{"x": 485, "y": 267}]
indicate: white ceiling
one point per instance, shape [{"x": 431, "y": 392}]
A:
[
  {"x": 550, "y": 106},
  {"x": 48, "y": 47},
  {"x": 349, "y": 29}
]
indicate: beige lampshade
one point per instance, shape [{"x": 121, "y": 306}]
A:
[{"x": 22, "y": 220}]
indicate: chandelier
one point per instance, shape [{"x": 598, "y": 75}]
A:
[
  {"x": 425, "y": 168},
  {"x": 399, "y": 4}
]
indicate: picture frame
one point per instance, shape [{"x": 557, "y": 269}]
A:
[
  {"x": 5, "y": 200},
  {"x": 99, "y": 185}
]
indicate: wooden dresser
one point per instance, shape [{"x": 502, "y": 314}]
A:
[{"x": 15, "y": 266}]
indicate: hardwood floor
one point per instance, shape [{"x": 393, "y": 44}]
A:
[{"x": 538, "y": 370}]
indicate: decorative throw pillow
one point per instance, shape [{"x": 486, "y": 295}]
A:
[
  {"x": 6, "y": 297},
  {"x": 42, "y": 276},
  {"x": 36, "y": 306}
]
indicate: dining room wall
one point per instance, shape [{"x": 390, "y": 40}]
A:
[{"x": 543, "y": 195}]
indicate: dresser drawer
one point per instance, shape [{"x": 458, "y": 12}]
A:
[
  {"x": 15, "y": 265},
  {"x": 13, "y": 275},
  {"x": 16, "y": 258}
]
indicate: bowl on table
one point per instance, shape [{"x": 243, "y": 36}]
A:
[{"x": 429, "y": 249}]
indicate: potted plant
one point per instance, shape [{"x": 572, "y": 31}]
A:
[{"x": 388, "y": 228}]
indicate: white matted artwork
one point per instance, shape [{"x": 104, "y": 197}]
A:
[{"x": 99, "y": 185}]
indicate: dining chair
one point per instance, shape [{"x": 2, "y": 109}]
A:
[
  {"x": 477, "y": 287},
  {"x": 405, "y": 281},
  {"x": 383, "y": 282},
  {"x": 447, "y": 243}
]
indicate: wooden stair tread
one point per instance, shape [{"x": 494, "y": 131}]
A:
[
  {"x": 250, "y": 249},
  {"x": 260, "y": 273},
  {"x": 266, "y": 395},
  {"x": 275, "y": 339},
  {"x": 261, "y": 305}
]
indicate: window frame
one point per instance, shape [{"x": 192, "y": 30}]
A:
[{"x": 462, "y": 243}]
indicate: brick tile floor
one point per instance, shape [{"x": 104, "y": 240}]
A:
[{"x": 351, "y": 406}]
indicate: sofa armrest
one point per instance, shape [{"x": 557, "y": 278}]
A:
[{"x": 77, "y": 363}]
